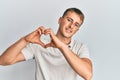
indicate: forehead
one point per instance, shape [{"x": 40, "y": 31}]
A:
[{"x": 74, "y": 16}]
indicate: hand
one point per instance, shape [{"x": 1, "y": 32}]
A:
[
  {"x": 55, "y": 42},
  {"x": 34, "y": 37}
]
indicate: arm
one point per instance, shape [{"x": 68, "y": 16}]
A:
[
  {"x": 82, "y": 66},
  {"x": 13, "y": 54}
]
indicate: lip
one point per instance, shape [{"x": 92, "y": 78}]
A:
[{"x": 68, "y": 30}]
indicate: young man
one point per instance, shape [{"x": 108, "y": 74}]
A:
[{"x": 61, "y": 59}]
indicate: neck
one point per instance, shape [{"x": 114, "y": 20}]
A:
[{"x": 63, "y": 39}]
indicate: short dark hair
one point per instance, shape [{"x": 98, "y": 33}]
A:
[{"x": 76, "y": 10}]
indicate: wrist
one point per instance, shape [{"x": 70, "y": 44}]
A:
[
  {"x": 63, "y": 47},
  {"x": 24, "y": 41}
]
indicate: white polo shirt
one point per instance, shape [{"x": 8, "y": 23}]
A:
[{"x": 50, "y": 62}]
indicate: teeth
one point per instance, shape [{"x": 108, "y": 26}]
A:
[{"x": 68, "y": 30}]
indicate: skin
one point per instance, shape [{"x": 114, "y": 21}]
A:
[{"x": 68, "y": 26}]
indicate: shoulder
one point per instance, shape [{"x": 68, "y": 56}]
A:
[{"x": 77, "y": 44}]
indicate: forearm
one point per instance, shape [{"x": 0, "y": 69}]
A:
[
  {"x": 11, "y": 52},
  {"x": 82, "y": 67}
]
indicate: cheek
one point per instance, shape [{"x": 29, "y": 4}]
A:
[
  {"x": 64, "y": 23},
  {"x": 75, "y": 31}
]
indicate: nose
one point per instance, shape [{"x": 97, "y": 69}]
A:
[{"x": 71, "y": 25}]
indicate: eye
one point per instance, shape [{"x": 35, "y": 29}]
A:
[
  {"x": 70, "y": 20},
  {"x": 77, "y": 25}
]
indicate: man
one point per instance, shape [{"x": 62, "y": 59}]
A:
[{"x": 60, "y": 59}]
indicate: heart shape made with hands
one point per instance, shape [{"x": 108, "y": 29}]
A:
[
  {"x": 41, "y": 37},
  {"x": 45, "y": 39}
]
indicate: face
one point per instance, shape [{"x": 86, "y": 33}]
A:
[{"x": 69, "y": 24}]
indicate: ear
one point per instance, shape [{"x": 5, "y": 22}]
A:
[{"x": 60, "y": 19}]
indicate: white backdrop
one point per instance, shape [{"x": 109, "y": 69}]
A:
[{"x": 100, "y": 32}]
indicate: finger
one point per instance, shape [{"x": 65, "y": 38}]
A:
[
  {"x": 49, "y": 31},
  {"x": 49, "y": 45},
  {"x": 42, "y": 29},
  {"x": 41, "y": 43},
  {"x": 39, "y": 31}
]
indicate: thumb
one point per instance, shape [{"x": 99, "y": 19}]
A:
[
  {"x": 49, "y": 45},
  {"x": 41, "y": 43}
]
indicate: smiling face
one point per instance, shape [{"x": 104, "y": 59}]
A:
[{"x": 69, "y": 24}]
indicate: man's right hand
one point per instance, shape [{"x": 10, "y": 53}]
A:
[
  {"x": 34, "y": 37},
  {"x": 13, "y": 53}
]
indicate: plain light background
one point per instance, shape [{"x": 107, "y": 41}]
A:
[{"x": 100, "y": 31}]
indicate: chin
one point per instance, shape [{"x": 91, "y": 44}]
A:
[{"x": 68, "y": 36}]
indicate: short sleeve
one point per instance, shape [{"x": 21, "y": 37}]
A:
[
  {"x": 83, "y": 51},
  {"x": 29, "y": 51}
]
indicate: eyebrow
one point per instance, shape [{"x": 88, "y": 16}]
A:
[
  {"x": 69, "y": 18},
  {"x": 72, "y": 20}
]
